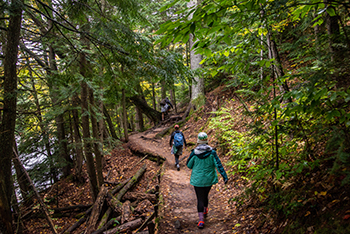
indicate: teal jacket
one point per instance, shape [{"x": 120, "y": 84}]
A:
[{"x": 203, "y": 160}]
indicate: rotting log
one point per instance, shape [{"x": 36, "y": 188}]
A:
[
  {"x": 137, "y": 196},
  {"x": 114, "y": 203},
  {"x": 129, "y": 226},
  {"x": 126, "y": 212},
  {"x": 71, "y": 208},
  {"x": 96, "y": 210},
  {"x": 107, "y": 225},
  {"x": 135, "y": 149},
  {"x": 132, "y": 182},
  {"x": 108, "y": 212}
]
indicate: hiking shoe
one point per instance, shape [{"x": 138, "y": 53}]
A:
[
  {"x": 200, "y": 224},
  {"x": 205, "y": 211},
  {"x": 178, "y": 167}
]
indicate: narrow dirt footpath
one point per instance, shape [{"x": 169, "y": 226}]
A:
[{"x": 179, "y": 205}]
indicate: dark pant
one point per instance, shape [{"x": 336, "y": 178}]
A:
[{"x": 202, "y": 194}]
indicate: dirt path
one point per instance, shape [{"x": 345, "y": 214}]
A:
[{"x": 179, "y": 208}]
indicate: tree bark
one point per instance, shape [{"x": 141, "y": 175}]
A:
[
  {"x": 87, "y": 140},
  {"x": 95, "y": 133},
  {"x": 77, "y": 139},
  {"x": 109, "y": 122},
  {"x": 125, "y": 116},
  {"x": 197, "y": 82},
  {"x": 7, "y": 127}
]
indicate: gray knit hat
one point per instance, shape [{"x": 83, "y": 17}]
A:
[{"x": 202, "y": 138}]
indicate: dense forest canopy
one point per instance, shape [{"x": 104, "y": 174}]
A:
[{"x": 77, "y": 76}]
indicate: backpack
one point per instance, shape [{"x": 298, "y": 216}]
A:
[{"x": 178, "y": 139}]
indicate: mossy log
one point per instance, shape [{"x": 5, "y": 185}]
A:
[
  {"x": 96, "y": 210},
  {"x": 129, "y": 226}
]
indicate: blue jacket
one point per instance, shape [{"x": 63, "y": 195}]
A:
[{"x": 203, "y": 160}]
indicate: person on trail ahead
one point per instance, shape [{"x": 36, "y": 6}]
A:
[
  {"x": 177, "y": 141},
  {"x": 203, "y": 160},
  {"x": 165, "y": 105}
]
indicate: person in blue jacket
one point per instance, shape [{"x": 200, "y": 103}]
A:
[
  {"x": 203, "y": 160},
  {"x": 177, "y": 141}
]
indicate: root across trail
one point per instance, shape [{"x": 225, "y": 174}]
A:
[{"x": 178, "y": 199}]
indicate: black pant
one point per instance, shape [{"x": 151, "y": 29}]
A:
[{"x": 202, "y": 194}]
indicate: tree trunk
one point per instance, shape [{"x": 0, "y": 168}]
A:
[
  {"x": 125, "y": 116},
  {"x": 139, "y": 119},
  {"x": 87, "y": 140},
  {"x": 197, "y": 82},
  {"x": 110, "y": 123},
  {"x": 163, "y": 89},
  {"x": 95, "y": 133},
  {"x": 154, "y": 97},
  {"x": 173, "y": 98},
  {"x": 7, "y": 127},
  {"x": 77, "y": 139},
  {"x": 59, "y": 119}
]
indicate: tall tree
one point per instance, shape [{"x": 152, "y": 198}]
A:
[
  {"x": 195, "y": 59},
  {"x": 7, "y": 127}
]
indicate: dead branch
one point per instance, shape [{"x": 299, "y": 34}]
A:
[{"x": 42, "y": 204}]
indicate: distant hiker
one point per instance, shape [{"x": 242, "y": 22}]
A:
[
  {"x": 177, "y": 141},
  {"x": 165, "y": 105},
  {"x": 203, "y": 160}
]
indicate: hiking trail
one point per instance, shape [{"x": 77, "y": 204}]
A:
[{"x": 178, "y": 210}]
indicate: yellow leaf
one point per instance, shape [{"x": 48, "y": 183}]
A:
[{"x": 323, "y": 193}]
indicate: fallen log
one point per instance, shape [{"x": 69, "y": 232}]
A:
[
  {"x": 129, "y": 226},
  {"x": 107, "y": 225},
  {"x": 135, "y": 149},
  {"x": 88, "y": 212},
  {"x": 132, "y": 182},
  {"x": 71, "y": 208},
  {"x": 126, "y": 212},
  {"x": 106, "y": 215},
  {"x": 96, "y": 210},
  {"x": 137, "y": 196}
]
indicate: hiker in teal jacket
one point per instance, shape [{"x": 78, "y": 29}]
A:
[{"x": 203, "y": 160}]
